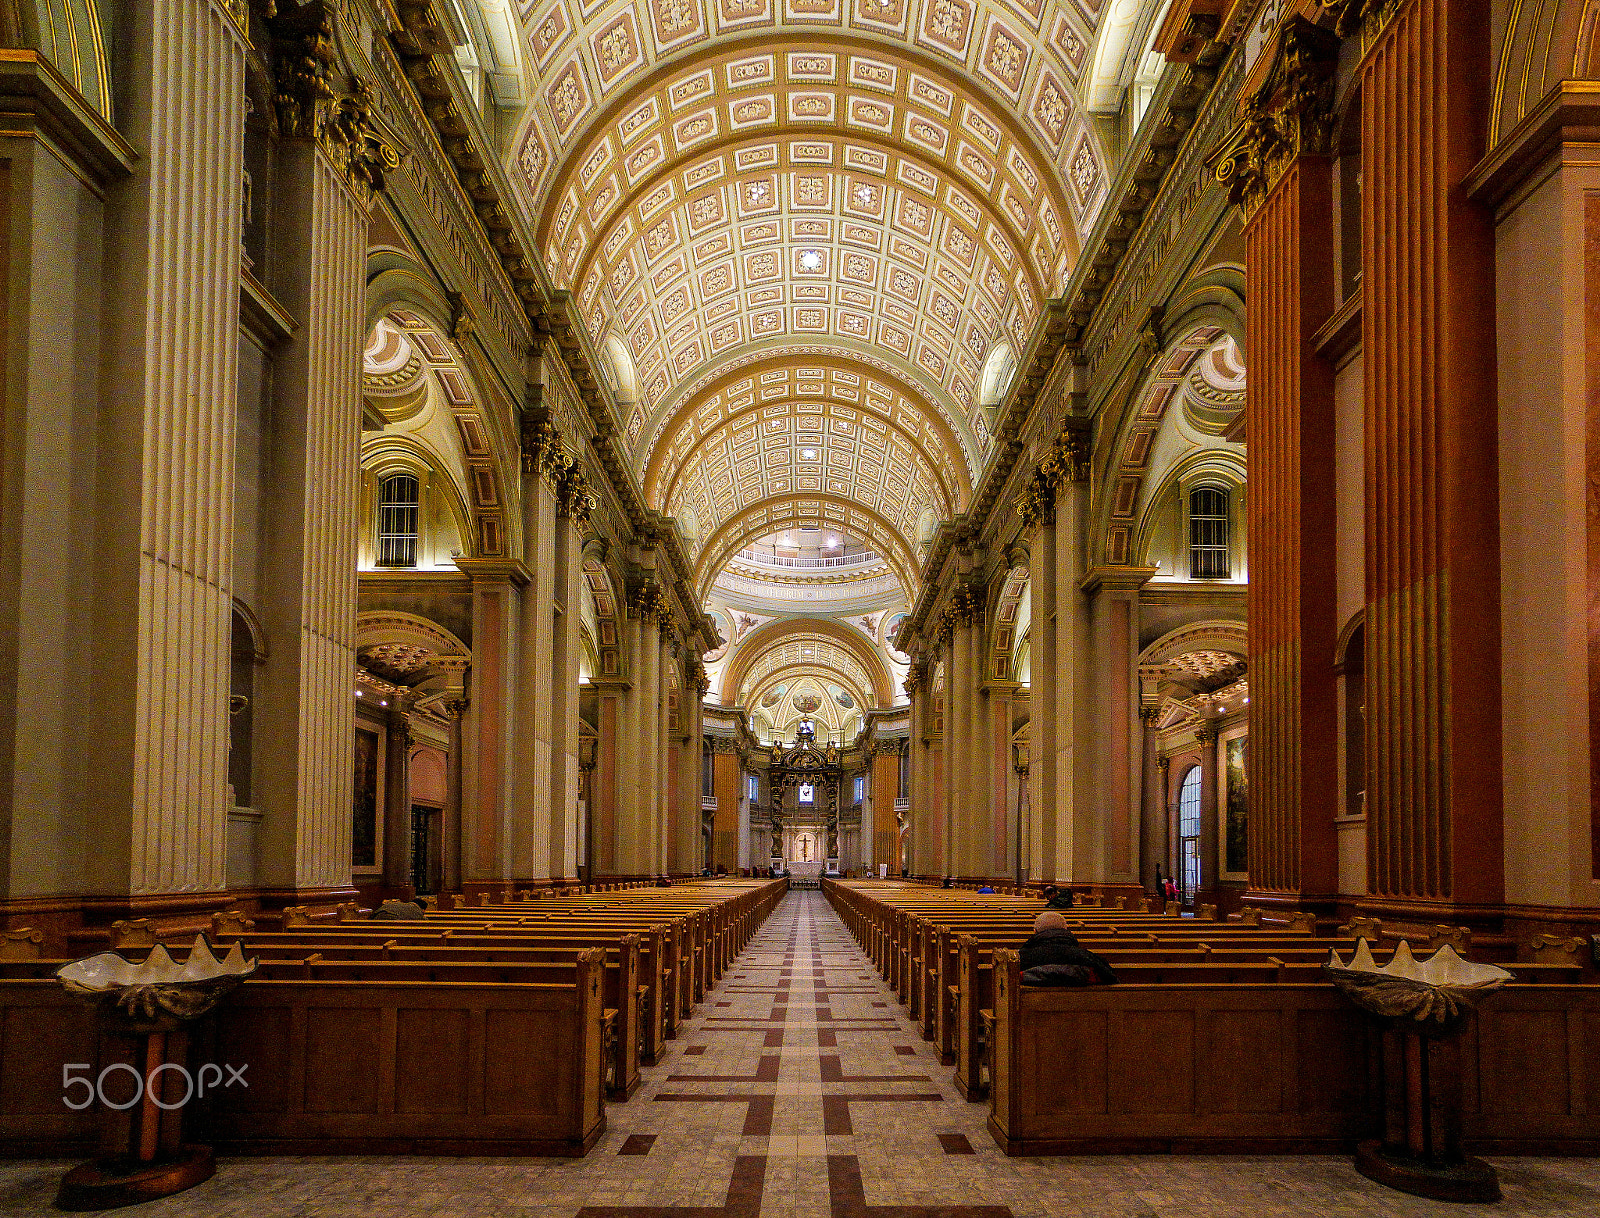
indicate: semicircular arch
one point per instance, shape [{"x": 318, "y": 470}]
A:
[
  {"x": 802, "y": 511},
  {"x": 764, "y": 639}
]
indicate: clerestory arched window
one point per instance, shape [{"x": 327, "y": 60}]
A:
[
  {"x": 1208, "y": 533},
  {"x": 399, "y": 501}
]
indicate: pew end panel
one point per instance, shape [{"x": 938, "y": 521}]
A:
[{"x": 390, "y": 1068}]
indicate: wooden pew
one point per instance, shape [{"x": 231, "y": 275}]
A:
[
  {"x": 342, "y": 1067},
  {"x": 1140, "y": 1068}
]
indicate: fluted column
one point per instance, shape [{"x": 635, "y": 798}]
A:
[
  {"x": 1434, "y": 792},
  {"x": 1076, "y": 811},
  {"x": 1112, "y": 838},
  {"x": 1038, "y": 514},
  {"x": 488, "y": 728},
  {"x": 323, "y": 190},
  {"x": 574, "y": 502},
  {"x": 156, "y": 793},
  {"x": 665, "y": 788},
  {"x": 607, "y": 789},
  {"x": 915, "y": 684},
  {"x": 631, "y": 839},
  {"x": 1152, "y": 807},
  {"x": 998, "y": 857},
  {"x": 975, "y": 807},
  {"x": 1282, "y": 178},
  {"x": 544, "y": 461},
  {"x": 450, "y": 848},
  {"x": 397, "y": 799},
  {"x": 957, "y": 737},
  {"x": 1210, "y": 858}
]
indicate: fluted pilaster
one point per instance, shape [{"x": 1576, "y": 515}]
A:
[
  {"x": 157, "y": 794},
  {"x": 1434, "y": 816},
  {"x": 1288, "y": 244}
]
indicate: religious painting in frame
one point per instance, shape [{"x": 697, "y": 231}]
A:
[
  {"x": 364, "y": 815},
  {"x": 1235, "y": 809}
]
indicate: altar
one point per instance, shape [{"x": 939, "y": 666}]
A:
[{"x": 805, "y": 874}]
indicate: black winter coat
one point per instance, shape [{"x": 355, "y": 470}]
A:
[{"x": 1062, "y": 947}]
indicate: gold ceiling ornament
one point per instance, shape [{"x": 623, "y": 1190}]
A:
[{"x": 1291, "y": 115}]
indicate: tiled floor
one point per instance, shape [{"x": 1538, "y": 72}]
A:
[{"x": 798, "y": 1091}]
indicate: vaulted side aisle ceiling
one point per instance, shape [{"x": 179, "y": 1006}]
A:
[{"x": 798, "y": 230}]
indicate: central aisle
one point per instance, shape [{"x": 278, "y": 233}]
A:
[{"x": 799, "y": 1091}]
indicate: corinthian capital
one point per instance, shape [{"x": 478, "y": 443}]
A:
[
  {"x": 574, "y": 498},
  {"x": 313, "y": 102},
  {"x": 1291, "y": 115},
  {"x": 649, "y": 602}
]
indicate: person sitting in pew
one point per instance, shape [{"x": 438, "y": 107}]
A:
[
  {"x": 398, "y": 911},
  {"x": 986, "y": 890},
  {"x": 1053, "y": 956},
  {"x": 1057, "y": 898}
]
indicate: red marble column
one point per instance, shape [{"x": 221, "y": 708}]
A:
[
  {"x": 1293, "y": 719},
  {"x": 1434, "y": 815},
  {"x": 1281, "y": 174}
]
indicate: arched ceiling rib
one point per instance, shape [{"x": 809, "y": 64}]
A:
[
  {"x": 826, "y": 511},
  {"x": 877, "y": 385},
  {"x": 803, "y": 646}
]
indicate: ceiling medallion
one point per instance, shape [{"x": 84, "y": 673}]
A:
[{"x": 811, "y": 260}]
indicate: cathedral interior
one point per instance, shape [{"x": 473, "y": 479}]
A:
[{"x": 720, "y": 513}]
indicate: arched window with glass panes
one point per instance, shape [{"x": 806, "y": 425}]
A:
[
  {"x": 1208, "y": 533},
  {"x": 1189, "y": 832},
  {"x": 399, "y": 504}
]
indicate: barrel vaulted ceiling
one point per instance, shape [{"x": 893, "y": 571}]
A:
[{"x": 804, "y": 226}]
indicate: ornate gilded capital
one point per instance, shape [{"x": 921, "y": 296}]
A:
[
  {"x": 649, "y": 602},
  {"x": 453, "y": 708},
  {"x": 912, "y": 681},
  {"x": 312, "y": 102},
  {"x": 968, "y": 603},
  {"x": 1291, "y": 115},
  {"x": 701, "y": 679},
  {"x": 542, "y": 451},
  {"x": 1037, "y": 505},
  {"x": 1364, "y": 17},
  {"x": 574, "y": 498}
]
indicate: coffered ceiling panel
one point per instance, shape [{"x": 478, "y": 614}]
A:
[
  {"x": 804, "y": 225},
  {"x": 1026, "y": 57}
]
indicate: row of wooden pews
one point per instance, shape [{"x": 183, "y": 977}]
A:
[
  {"x": 1220, "y": 1035},
  {"x": 489, "y": 1029}
]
